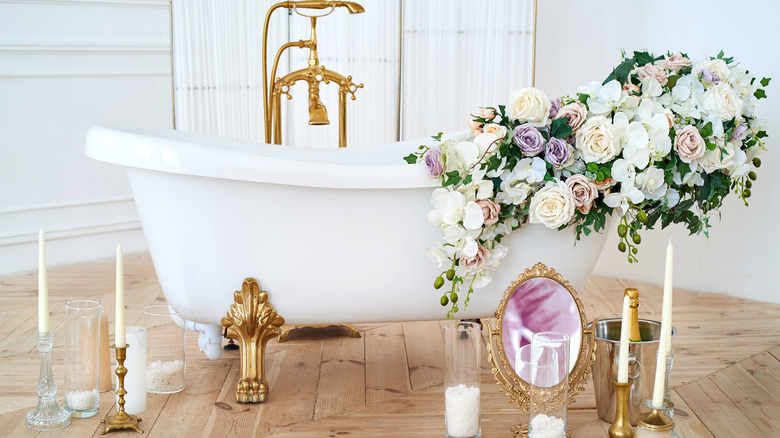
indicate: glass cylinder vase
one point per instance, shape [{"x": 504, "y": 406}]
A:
[
  {"x": 165, "y": 354},
  {"x": 82, "y": 357},
  {"x": 462, "y": 343},
  {"x": 549, "y": 390}
]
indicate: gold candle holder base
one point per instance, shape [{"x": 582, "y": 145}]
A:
[
  {"x": 121, "y": 420},
  {"x": 621, "y": 427},
  {"x": 657, "y": 422}
]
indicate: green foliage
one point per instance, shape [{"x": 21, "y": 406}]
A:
[{"x": 411, "y": 158}]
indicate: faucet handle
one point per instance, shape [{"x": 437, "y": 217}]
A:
[{"x": 350, "y": 87}]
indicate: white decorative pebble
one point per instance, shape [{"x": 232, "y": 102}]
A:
[
  {"x": 461, "y": 405},
  {"x": 543, "y": 426},
  {"x": 165, "y": 376}
]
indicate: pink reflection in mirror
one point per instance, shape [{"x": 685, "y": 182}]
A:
[{"x": 539, "y": 305}]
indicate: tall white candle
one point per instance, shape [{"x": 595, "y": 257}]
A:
[
  {"x": 624, "y": 341},
  {"x": 120, "y": 299},
  {"x": 660, "y": 372},
  {"x": 666, "y": 316},
  {"x": 43, "y": 286}
]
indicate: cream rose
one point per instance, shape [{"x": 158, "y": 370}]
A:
[
  {"x": 576, "y": 112},
  {"x": 721, "y": 100},
  {"x": 552, "y": 206},
  {"x": 583, "y": 192},
  {"x": 595, "y": 141},
  {"x": 529, "y": 105},
  {"x": 675, "y": 62},
  {"x": 689, "y": 144},
  {"x": 719, "y": 158},
  {"x": 490, "y": 211},
  {"x": 477, "y": 261},
  {"x": 717, "y": 67},
  {"x": 652, "y": 71},
  {"x": 495, "y": 128}
]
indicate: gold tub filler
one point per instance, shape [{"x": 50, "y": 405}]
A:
[
  {"x": 252, "y": 321},
  {"x": 313, "y": 74}
]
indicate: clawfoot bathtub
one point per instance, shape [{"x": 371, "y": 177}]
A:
[{"x": 333, "y": 235}]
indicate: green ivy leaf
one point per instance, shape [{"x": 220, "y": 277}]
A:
[
  {"x": 411, "y": 158},
  {"x": 761, "y": 134},
  {"x": 467, "y": 179},
  {"x": 706, "y": 130},
  {"x": 760, "y": 93},
  {"x": 452, "y": 178},
  {"x": 560, "y": 128},
  {"x": 621, "y": 72},
  {"x": 643, "y": 58},
  {"x": 765, "y": 81},
  {"x": 710, "y": 145},
  {"x": 437, "y": 137},
  {"x": 583, "y": 98}
]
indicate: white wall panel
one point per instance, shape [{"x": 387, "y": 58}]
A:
[{"x": 64, "y": 67}]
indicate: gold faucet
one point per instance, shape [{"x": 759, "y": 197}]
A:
[{"x": 313, "y": 74}]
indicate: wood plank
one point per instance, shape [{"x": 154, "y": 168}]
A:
[
  {"x": 686, "y": 422},
  {"x": 425, "y": 353},
  {"x": 342, "y": 377},
  {"x": 596, "y": 428},
  {"x": 756, "y": 402},
  {"x": 719, "y": 414},
  {"x": 765, "y": 369},
  {"x": 387, "y": 372}
]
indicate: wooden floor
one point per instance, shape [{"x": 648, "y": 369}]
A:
[{"x": 389, "y": 382}]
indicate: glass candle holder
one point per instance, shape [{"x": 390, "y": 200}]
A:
[
  {"x": 549, "y": 391},
  {"x": 165, "y": 357},
  {"x": 523, "y": 362},
  {"x": 655, "y": 423},
  {"x": 462, "y": 413},
  {"x": 82, "y": 357}
]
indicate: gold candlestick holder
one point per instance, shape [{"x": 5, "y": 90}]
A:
[
  {"x": 656, "y": 422},
  {"x": 121, "y": 420},
  {"x": 621, "y": 427}
]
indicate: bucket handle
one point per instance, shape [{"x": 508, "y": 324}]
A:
[{"x": 637, "y": 369}]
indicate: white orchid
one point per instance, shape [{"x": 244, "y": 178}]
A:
[
  {"x": 604, "y": 99},
  {"x": 628, "y": 195},
  {"x": 531, "y": 170},
  {"x": 624, "y": 171},
  {"x": 513, "y": 192},
  {"x": 460, "y": 156},
  {"x": 651, "y": 183}
]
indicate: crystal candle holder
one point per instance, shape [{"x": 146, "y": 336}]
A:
[{"x": 48, "y": 415}]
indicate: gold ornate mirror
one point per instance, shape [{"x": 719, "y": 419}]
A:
[{"x": 539, "y": 300}]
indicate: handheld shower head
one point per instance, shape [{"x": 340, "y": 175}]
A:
[{"x": 352, "y": 7}]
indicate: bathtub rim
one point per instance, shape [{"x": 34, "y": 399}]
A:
[{"x": 202, "y": 155}]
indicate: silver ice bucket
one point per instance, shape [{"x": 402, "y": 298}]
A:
[{"x": 641, "y": 366}]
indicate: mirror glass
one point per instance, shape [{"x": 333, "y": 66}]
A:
[{"x": 539, "y": 304}]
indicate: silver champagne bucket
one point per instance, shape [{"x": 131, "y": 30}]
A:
[{"x": 643, "y": 356}]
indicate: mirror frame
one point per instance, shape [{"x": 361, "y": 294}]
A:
[{"x": 509, "y": 382}]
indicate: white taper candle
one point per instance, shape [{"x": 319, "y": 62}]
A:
[
  {"x": 43, "y": 286},
  {"x": 120, "y": 299},
  {"x": 666, "y": 316},
  {"x": 660, "y": 372},
  {"x": 624, "y": 341}
]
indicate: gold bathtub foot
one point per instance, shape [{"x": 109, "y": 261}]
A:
[
  {"x": 285, "y": 330},
  {"x": 252, "y": 322}
]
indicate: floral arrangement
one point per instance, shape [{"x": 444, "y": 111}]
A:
[{"x": 662, "y": 140}]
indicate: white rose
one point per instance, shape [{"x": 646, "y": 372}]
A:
[
  {"x": 716, "y": 66},
  {"x": 722, "y": 100},
  {"x": 596, "y": 142},
  {"x": 529, "y": 105},
  {"x": 713, "y": 160},
  {"x": 552, "y": 206}
]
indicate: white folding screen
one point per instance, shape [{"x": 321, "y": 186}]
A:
[{"x": 454, "y": 57}]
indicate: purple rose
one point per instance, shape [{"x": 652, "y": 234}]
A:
[
  {"x": 739, "y": 132},
  {"x": 709, "y": 76},
  {"x": 557, "y": 152},
  {"x": 433, "y": 165},
  {"x": 555, "y": 106},
  {"x": 529, "y": 139}
]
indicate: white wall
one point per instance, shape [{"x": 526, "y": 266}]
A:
[
  {"x": 581, "y": 41},
  {"x": 66, "y": 65}
]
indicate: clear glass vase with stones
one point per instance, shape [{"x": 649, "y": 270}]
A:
[
  {"x": 462, "y": 344},
  {"x": 165, "y": 351},
  {"x": 82, "y": 357}
]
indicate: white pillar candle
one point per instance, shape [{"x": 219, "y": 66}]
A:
[
  {"x": 43, "y": 286},
  {"x": 120, "y": 299},
  {"x": 666, "y": 316},
  {"x": 135, "y": 362},
  {"x": 623, "y": 351}
]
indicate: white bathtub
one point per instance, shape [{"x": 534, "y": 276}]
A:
[{"x": 333, "y": 235}]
